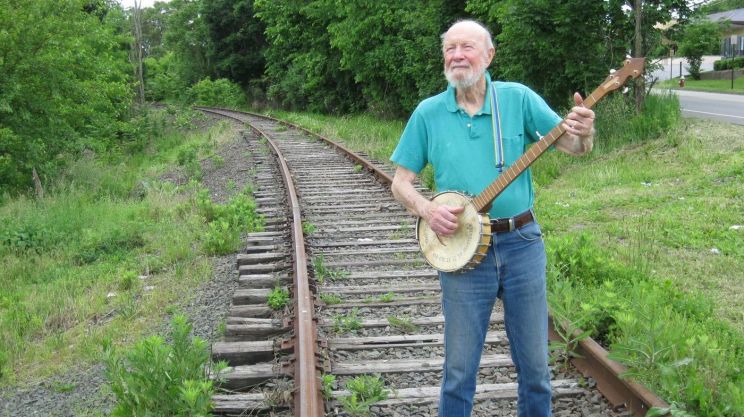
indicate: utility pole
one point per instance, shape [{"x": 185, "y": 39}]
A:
[
  {"x": 137, "y": 52},
  {"x": 638, "y": 53}
]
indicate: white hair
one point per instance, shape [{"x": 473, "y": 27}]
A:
[{"x": 477, "y": 25}]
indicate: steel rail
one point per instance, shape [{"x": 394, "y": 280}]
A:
[
  {"x": 384, "y": 177},
  {"x": 308, "y": 398},
  {"x": 594, "y": 361}
]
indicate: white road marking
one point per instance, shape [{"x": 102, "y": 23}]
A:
[{"x": 714, "y": 114}]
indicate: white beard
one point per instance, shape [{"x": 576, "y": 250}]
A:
[{"x": 465, "y": 82}]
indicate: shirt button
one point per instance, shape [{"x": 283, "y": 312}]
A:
[{"x": 468, "y": 124}]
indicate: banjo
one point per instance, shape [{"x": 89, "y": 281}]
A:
[{"x": 468, "y": 246}]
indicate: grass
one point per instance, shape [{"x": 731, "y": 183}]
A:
[
  {"x": 364, "y": 391},
  {"x": 362, "y": 133},
  {"x": 323, "y": 272},
  {"x": 643, "y": 245},
  {"x": 666, "y": 204},
  {"x": 102, "y": 254},
  {"x": 715, "y": 86}
]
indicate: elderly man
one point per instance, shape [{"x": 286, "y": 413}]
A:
[{"x": 468, "y": 147}]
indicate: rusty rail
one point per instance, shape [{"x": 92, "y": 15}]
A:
[
  {"x": 593, "y": 361},
  {"x": 383, "y": 176},
  {"x": 308, "y": 398}
]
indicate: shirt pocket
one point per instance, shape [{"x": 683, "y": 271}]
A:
[{"x": 513, "y": 148}]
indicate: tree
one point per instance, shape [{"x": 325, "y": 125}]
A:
[
  {"x": 303, "y": 70},
  {"x": 560, "y": 46},
  {"x": 64, "y": 84},
  {"x": 553, "y": 47},
  {"x": 236, "y": 39},
  {"x": 698, "y": 38},
  {"x": 187, "y": 37},
  {"x": 154, "y": 20},
  {"x": 393, "y": 50}
]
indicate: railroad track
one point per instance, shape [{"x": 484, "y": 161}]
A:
[{"x": 365, "y": 303}]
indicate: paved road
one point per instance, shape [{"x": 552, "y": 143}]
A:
[{"x": 724, "y": 107}]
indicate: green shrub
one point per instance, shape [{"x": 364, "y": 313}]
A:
[
  {"x": 221, "y": 92},
  {"x": 729, "y": 63},
  {"x": 278, "y": 298},
  {"x": 227, "y": 221},
  {"x": 155, "y": 378},
  {"x": 668, "y": 338},
  {"x": 579, "y": 259},
  {"x": 328, "y": 382},
  {"x": 693, "y": 362},
  {"x": 221, "y": 238}
]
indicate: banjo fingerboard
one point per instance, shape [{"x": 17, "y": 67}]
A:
[{"x": 633, "y": 68}]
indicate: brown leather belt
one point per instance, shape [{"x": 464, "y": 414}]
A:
[{"x": 508, "y": 224}]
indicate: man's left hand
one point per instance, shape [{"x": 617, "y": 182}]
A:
[{"x": 580, "y": 121}]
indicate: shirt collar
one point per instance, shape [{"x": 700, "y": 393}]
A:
[{"x": 451, "y": 101}]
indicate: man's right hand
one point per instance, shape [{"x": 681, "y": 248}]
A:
[{"x": 442, "y": 219}]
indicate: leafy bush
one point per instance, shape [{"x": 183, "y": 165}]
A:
[
  {"x": 155, "y": 378},
  {"x": 227, "y": 221},
  {"x": 278, "y": 298},
  {"x": 221, "y": 92},
  {"x": 727, "y": 64},
  {"x": 578, "y": 259},
  {"x": 221, "y": 238},
  {"x": 328, "y": 382},
  {"x": 694, "y": 362}
]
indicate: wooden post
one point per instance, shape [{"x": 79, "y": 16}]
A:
[{"x": 37, "y": 184}]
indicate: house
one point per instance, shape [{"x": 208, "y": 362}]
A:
[{"x": 732, "y": 42}]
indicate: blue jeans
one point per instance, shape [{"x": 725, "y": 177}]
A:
[{"x": 514, "y": 270}]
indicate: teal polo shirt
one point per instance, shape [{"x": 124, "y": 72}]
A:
[{"x": 461, "y": 148}]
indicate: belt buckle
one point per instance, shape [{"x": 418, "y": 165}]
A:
[{"x": 511, "y": 224}]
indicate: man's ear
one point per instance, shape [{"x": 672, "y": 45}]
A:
[{"x": 489, "y": 56}]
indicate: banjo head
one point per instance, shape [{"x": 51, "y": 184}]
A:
[{"x": 466, "y": 247}]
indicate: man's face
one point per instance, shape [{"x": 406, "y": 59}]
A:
[{"x": 466, "y": 55}]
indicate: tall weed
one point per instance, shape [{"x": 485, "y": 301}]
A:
[
  {"x": 617, "y": 125},
  {"x": 668, "y": 338},
  {"x": 69, "y": 257},
  {"x": 162, "y": 379},
  {"x": 227, "y": 221}
]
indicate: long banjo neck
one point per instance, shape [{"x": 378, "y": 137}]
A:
[{"x": 633, "y": 68}]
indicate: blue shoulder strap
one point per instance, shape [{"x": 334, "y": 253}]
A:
[{"x": 498, "y": 144}]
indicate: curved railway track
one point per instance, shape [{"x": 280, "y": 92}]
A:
[{"x": 364, "y": 300}]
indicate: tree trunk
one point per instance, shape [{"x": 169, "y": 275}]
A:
[
  {"x": 137, "y": 52},
  {"x": 637, "y": 53}
]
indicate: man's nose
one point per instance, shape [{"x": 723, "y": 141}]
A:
[{"x": 458, "y": 53}]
